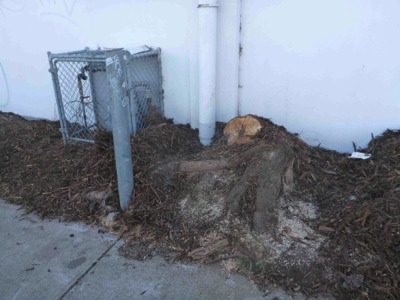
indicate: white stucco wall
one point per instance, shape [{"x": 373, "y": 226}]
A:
[{"x": 329, "y": 70}]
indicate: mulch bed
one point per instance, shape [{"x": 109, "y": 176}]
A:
[{"x": 358, "y": 200}]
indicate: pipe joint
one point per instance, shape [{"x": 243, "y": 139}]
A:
[{"x": 207, "y": 3}]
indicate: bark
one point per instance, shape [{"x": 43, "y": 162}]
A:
[{"x": 208, "y": 250}]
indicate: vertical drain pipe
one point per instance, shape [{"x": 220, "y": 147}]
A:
[
  {"x": 208, "y": 10},
  {"x": 116, "y": 75}
]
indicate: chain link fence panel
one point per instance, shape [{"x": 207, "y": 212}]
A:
[{"x": 83, "y": 93}]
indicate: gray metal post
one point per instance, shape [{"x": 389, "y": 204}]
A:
[
  {"x": 160, "y": 83},
  {"x": 57, "y": 93},
  {"x": 116, "y": 75}
]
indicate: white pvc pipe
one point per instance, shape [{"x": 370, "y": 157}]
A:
[{"x": 207, "y": 68}]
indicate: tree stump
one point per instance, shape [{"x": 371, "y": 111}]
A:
[
  {"x": 268, "y": 166},
  {"x": 240, "y": 130}
]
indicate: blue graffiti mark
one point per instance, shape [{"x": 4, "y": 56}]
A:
[
  {"x": 64, "y": 11},
  {"x": 12, "y": 6},
  {"x": 69, "y": 9},
  {"x": 6, "y": 100}
]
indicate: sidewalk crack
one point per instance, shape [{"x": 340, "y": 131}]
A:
[{"x": 79, "y": 279}]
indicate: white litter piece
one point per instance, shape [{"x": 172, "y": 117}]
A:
[{"x": 360, "y": 155}]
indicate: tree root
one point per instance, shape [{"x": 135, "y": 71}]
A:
[{"x": 270, "y": 166}]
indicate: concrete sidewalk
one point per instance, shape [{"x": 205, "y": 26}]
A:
[{"x": 47, "y": 259}]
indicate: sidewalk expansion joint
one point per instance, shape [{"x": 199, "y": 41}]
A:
[{"x": 79, "y": 279}]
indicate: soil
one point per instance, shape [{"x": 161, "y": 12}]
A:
[{"x": 337, "y": 231}]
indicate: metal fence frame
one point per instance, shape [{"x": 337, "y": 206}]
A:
[{"x": 137, "y": 87}]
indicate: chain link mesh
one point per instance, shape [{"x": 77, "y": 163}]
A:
[{"x": 83, "y": 93}]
